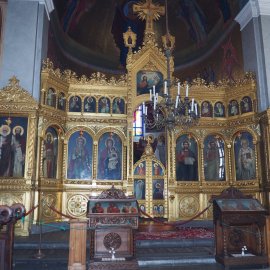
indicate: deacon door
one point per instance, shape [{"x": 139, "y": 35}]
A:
[{"x": 150, "y": 186}]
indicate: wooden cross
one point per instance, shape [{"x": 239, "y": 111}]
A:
[{"x": 149, "y": 12}]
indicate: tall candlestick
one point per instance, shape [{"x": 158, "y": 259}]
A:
[
  {"x": 150, "y": 91},
  {"x": 146, "y": 110},
  {"x": 192, "y": 105},
  {"x": 196, "y": 109},
  {"x": 178, "y": 89},
  {"x": 187, "y": 91},
  {"x": 143, "y": 107},
  {"x": 154, "y": 90}
]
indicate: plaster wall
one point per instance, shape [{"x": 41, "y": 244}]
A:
[{"x": 24, "y": 44}]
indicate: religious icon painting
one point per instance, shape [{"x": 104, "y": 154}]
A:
[
  {"x": 51, "y": 97},
  {"x": 61, "y": 102},
  {"x": 142, "y": 207},
  {"x": 158, "y": 189},
  {"x": 139, "y": 189},
  {"x": 233, "y": 108},
  {"x": 186, "y": 158},
  {"x": 246, "y": 105},
  {"x": 245, "y": 157},
  {"x": 147, "y": 79},
  {"x": 207, "y": 109},
  {"x": 104, "y": 105},
  {"x": 13, "y": 138},
  {"x": 50, "y": 153},
  {"x": 155, "y": 210},
  {"x": 140, "y": 169},
  {"x": 80, "y": 149},
  {"x": 161, "y": 210},
  {"x": 109, "y": 157},
  {"x": 160, "y": 148},
  {"x": 75, "y": 104},
  {"x": 156, "y": 169},
  {"x": 89, "y": 105},
  {"x": 214, "y": 158},
  {"x": 219, "y": 109},
  {"x": 118, "y": 106}
]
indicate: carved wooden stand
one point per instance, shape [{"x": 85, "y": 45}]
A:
[
  {"x": 240, "y": 223},
  {"x": 112, "y": 218}
]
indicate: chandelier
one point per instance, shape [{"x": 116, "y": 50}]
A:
[{"x": 170, "y": 112}]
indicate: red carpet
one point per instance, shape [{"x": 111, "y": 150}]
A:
[{"x": 182, "y": 233}]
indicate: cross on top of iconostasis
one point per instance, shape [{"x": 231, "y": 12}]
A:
[{"x": 149, "y": 11}]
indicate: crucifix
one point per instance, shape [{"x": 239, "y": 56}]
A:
[{"x": 148, "y": 11}]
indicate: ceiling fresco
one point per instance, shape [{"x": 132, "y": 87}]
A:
[{"x": 90, "y": 32}]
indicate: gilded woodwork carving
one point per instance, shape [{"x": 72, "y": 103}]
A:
[
  {"x": 11, "y": 198},
  {"x": 13, "y": 96},
  {"x": 188, "y": 206},
  {"x": 188, "y": 195},
  {"x": 47, "y": 201},
  {"x": 72, "y": 78}
]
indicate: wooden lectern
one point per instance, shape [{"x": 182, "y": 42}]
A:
[
  {"x": 240, "y": 223},
  {"x": 113, "y": 217}
]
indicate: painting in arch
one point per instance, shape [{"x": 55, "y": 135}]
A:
[
  {"x": 186, "y": 158},
  {"x": 245, "y": 156},
  {"x": 13, "y": 139},
  {"x": 50, "y": 153},
  {"x": 80, "y": 145},
  {"x": 109, "y": 157}
]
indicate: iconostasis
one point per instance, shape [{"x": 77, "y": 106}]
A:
[{"x": 87, "y": 134}]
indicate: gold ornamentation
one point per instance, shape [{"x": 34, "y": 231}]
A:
[
  {"x": 13, "y": 94},
  {"x": 47, "y": 201},
  {"x": 9, "y": 198},
  {"x": 188, "y": 206},
  {"x": 149, "y": 12}
]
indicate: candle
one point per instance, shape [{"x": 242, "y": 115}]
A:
[
  {"x": 187, "y": 91},
  {"x": 146, "y": 110},
  {"x": 176, "y": 101},
  {"x": 143, "y": 107},
  {"x": 192, "y": 105},
  {"x": 196, "y": 110},
  {"x": 154, "y": 90},
  {"x": 165, "y": 87},
  {"x": 178, "y": 89},
  {"x": 150, "y": 91}
]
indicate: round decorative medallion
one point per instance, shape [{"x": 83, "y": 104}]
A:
[
  {"x": 47, "y": 201},
  {"x": 188, "y": 206},
  {"x": 112, "y": 240},
  {"x": 236, "y": 238},
  {"x": 77, "y": 205}
]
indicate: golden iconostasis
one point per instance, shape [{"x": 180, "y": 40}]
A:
[{"x": 86, "y": 134}]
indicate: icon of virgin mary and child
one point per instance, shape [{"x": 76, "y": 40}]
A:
[{"x": 109, "y": 161}]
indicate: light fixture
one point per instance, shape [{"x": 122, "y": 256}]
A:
[{"x": 170, "y": 112}]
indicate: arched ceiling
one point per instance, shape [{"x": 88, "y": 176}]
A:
[{"x": 91, "y": 31}]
